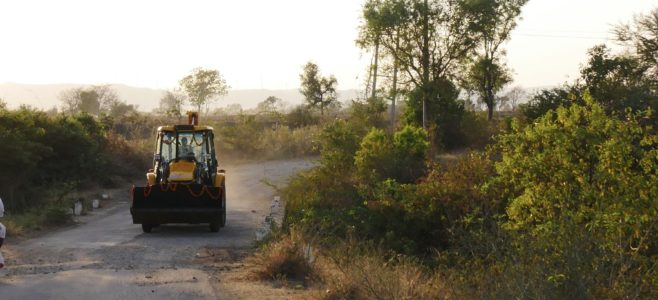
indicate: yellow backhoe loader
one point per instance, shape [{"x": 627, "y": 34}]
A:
[{"x": 185, "y": 184}]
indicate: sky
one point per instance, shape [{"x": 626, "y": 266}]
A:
[{"x": 259, "y": 44}]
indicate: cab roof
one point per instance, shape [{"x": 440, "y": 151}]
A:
[{"x": 184, "y": 128}]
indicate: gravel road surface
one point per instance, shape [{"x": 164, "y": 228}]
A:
[{"x": 105, "y": 256}]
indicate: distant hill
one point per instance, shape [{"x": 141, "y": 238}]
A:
[{"x": 45, "y": 96}]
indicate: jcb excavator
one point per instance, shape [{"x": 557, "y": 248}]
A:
[{"x": 185, "y": 184}]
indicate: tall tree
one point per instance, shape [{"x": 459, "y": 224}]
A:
[
  {"x": 171, "y": 104},
  {"x": 424, "y": 39},
  {"x": 317, "y": 90},
  {"x": 203, "y": 86},
  {"x": 493, "y": 21},
  {"x": 382, "y": 21}
]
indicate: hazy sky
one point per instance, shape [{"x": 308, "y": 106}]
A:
[{"x": 258, "y": 43}]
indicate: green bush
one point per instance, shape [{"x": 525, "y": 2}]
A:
[
  {"x": 401, "y": 157},
  {"x": 56, "y": 215},
  {"x": 582, "y": 190}
]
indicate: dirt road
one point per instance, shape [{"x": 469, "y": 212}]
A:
[{"x": 108, "y": 257}]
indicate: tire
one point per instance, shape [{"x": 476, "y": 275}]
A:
[
  {"x": 147, "y": 228},
  {"x": 214, "y": 227},
  {"x": 222, "y": 219}
]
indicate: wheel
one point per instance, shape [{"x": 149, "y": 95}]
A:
[
  {"x": 214, "y": 227},
  {"x": 222, "y": 220},
  {"x": 147, "y": 228}
]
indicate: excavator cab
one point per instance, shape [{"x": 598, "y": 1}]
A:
[
  {"x": 184, "y": 185},
  {"x": 185, "y": 157}
]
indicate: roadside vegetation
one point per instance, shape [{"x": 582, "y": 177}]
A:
[
  {"x": 554, "y": 199},
  {"x": 549, "y": 194}
]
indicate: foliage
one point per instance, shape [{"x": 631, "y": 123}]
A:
[
  {"x": 487, "y": 77},
  {"x": 511, "y": 99},
  {"x": 619, "y": 82},
  {"x": 425, "y": 39},
  {"x": 400, "y": 157},
  {"x": 171, "y": 104},
  {"x": 202, "y": 85},
  {"x": 267, "y": 139},
  {"x": 317, "y": 90},
  {"x": 493, "y": 22},
  {"x": 41, "y": 151},
  {"x": 580, "y": 165},
  {"x": 367, "y": 114},
  {"x": 641, "y": 36},
  {"x": 446, "y": 110},
  {"x": 550, "y": 99},
  {"x": 301, "y": 116},
  {"x": 95, "y": 100},
  {"x": 271, "y": 105}
]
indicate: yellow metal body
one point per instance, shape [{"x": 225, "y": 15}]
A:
[
  {"x": 219, "y": 179},
  {"x": 150, "y": 178},
  {"x": 196, "y": 128}
]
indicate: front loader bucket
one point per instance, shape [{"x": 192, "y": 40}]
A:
[{"x": 178, "y": 203}]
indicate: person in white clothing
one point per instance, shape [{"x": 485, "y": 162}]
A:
[{"x": 3, "y": 231}]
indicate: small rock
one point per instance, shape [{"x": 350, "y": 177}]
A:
[
  {"x": 253, "y": 211},
  {"x": 194, "y": 278},
  {"x": 148, "y": 276}
]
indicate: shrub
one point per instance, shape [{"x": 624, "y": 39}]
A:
[
  {"x": 56, "y": 215},
  {"x": 286, "y": 258},
  {"x": 401, "y": 157},
  {"x": 582, "y": 192}
]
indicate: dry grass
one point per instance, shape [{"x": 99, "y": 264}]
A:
[
  {"x": 367, "y": 275},
  {"x": 284, "y": 259},
  {"x": 13, "y": 228}
]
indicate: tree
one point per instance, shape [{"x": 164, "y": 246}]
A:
[
  {"x": 300, "y": 116},
  {"x": 270, "y": 105},
  {"x": 425, "y": 40},
  {"x": 230, "y": 110},
  {"x": 202, "y": 86},
  {"x": 493, "y": 22},
  {"x": 642, "y": 37},
  {"x": 317, "y": 90},
  {"x": 381, "y": 24},
  {"x": 550, "y": 99},
  {"x": 513, "y": 97},
  {"x": 171, "y": 104},
  {"x": 93, "y": 100},
  {"x": 487, "y": 77},
  {"x": 618, "y": 82}
]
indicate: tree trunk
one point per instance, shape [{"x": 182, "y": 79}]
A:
[
  {"x": 394, "y": 89},
  {"x": 425, "y": 61},
  {"x": 374, "y": 78}
]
